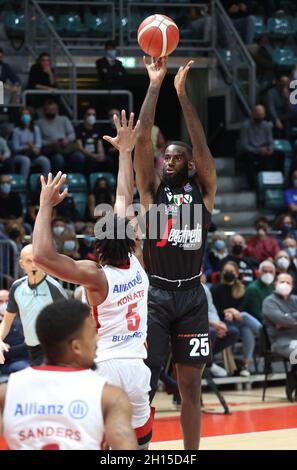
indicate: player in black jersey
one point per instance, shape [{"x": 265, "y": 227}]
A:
[{"x": 177, "y": 228}]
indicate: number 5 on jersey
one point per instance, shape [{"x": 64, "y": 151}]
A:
[{"x": 133, "y": 318}]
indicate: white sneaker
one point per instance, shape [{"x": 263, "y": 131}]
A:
[
  {"x": 245, "y": 373},
  {"x": 218, "y": 371}
]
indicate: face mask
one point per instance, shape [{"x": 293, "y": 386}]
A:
[
  {"x": 267, "y": 278},
  {"x": 228, "y": 276},
  {"x": 112, "y": 53},
  {"x": 219, "y": 244},
  {"x": 295, "y": 183},
  {"x": 50, "y": 115},
  {"x": 283, "y": 263},
  {"x": 283, "y": 288},
  {"x": 286, "y": 227},
  {"x": 91, "y": 119},
  {"x": 69, "y": 245},
  {"x": 58, "y": 230},
  {"x": 3, "y": 308},
  {"x": 261, "y": 232},
  {"x": 5, "y": 188},
  {"x": 89, "y": 240},
  {"x": 291, "y": 251},
  {"x": 237, "y": 249},
  {"x": 26, "y": 119}
]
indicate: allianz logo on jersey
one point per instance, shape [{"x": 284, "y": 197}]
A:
[
  {"x": 77, "y": 409},
  {"x": 178, "y": 199},
  {"x": 124, "y": 287}
]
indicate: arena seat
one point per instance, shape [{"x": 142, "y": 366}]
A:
[
  {"x": 18, "y": 184},
  {"x": 271, "y": 185},
  {"x": 80, "y": 199},
  {"x": 284, "y": 58},
  {"x": 76, "y": 182},
  {"x": 260, "y": 27},
  {"x": 14, "y": 24},
  {"x": 33, "y": 181},
  {"x": 109, "y": 176},
  {"x": 72, "y": 25},
  {"x": 280, "y": 27}
]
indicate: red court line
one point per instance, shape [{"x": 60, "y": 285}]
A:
[{"x": 239, "y": 422}]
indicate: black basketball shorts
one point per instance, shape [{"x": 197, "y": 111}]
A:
[{"x": 179, "y": 317}]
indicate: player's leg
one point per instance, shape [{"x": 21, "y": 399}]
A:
[
  {"x": 189, "y": 383},
  {"x": 190, "y": 351}
]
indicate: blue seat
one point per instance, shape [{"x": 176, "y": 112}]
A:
[
  {"x": 76, "y": 182},
  {"x": 260, "y": 27},
  {"x": 271, "y": 185},
  {"x": 109, "y": 176},
  {"x": 80, "y": 199},
  {"x": 72, "y": 25},
  {"x": 226, "y": 55},
  {"x": 18, "y": 183},
  {"x": 14, "y": 24},
  {"x": 34, "y": 181},
  {"x": 280, "y": 27},
  {"x": 282, "y": 145},
  {"x": 284, "y": 58},
  {"x": 98, "y": 25}
]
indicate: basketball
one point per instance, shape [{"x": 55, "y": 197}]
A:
[{"x": 158, "y": 35}]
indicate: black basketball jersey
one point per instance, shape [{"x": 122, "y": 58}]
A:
[{"x": 176, "y": 232}]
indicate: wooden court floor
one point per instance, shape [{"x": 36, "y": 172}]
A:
[{"x": 252, "y": 424}]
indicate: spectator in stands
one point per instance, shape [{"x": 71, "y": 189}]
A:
[
  {"x": 285, "y": 224},
  {"x": 246, "y": 265},
  {"x": 291, "y": 196},
  {"x": 111, "y": 153},
  {"x": 218, "y": 252},
  {"x": 222, "y": 334},
  {"x": 258, "y": 290},
  {"x": 26, "y": 144},
  {"x": 101, "y": 194},
  {"x": 42, "y": 77},
  {"x": 111, "y": 72},
  {"x": 17, "y": 356},
  {"x": 58, "y": 228},
  {"x": 262, "y": 246},
  {"x": 16, "y": 232},
  {"x": 89, "y": 142},
  {"x": 290, "y": 246},
  {"x": 278, "y": 108},
  {"x": 11, "y": 81},
  {"x": 256, "y": 142},
  {"x": 240, "y": 14},
  {"x": 59, "y": 140},
  {"x": 228, "y": 297},
  {"x": 87, "y": 243},
  {"x": 5, "y": 157},
  {"x": 67, "y": 208},
  {"x": 284, "y": 263},
  {"x": 6, "y": 256},
  {"x": 70, "y": 244},
  {"x": 280, "y": 317},
  {"x": 10, "y": 202}
]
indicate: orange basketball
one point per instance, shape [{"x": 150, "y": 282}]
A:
[{"x": 158, "y": 35}]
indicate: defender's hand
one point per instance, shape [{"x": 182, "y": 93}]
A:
[
  {"x": 180, "y": 78},
  {"x": 126, "y": 135},
  {"x": 50, "y": 191}
]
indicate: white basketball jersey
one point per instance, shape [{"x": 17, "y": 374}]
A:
[
  {"x": 122, "y": 318},
  {"x": 52, "y": 408}
]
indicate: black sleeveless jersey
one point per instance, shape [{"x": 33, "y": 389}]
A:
[{"x": 176, "y": 232}]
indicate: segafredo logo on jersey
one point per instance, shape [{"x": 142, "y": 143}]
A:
[
  {"x": 178, "y": 199},
  {"x": 26, "y": 409},
  {"x": 185, "y": 236},
  {"x": 129, "y": 285}
]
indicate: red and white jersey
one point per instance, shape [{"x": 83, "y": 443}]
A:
[
  {"x": 122, "y": 318},
  {"x": 52, "y": 408}
]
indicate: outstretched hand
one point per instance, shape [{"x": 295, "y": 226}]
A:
[
  {"x": 156, "y": 70},
  {"x": 180, "y": 78},
  {"x": 50, "y": 190},
  {"x": 126, "y": 135}
]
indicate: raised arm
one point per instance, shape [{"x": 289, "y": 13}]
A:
[
  {"x": 203, "y": 160},
  {"x": 45, "y": 255},
  {"x": 124, "y": 142},
  {"x": 146, "y": 176}
]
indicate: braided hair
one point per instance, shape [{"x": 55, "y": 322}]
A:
[{"x": 115, "y": 239}]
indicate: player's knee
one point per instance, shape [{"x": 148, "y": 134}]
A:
[{"x": 190, "y": 389}]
